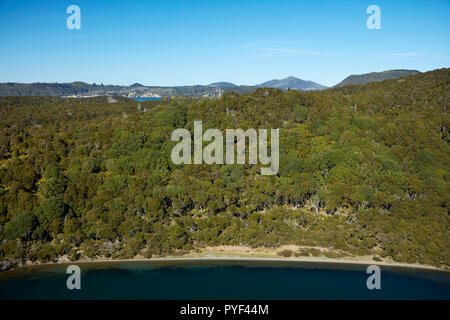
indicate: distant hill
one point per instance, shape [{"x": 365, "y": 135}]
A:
[
  {"x": 376, "y": 77},
  {"x": 292, "y": 83},
  {"x": 82, "y": 89},
  {"x": 222, "y": 84},
  {"x": 52, "y": 89},
  {"x": 216, "y": 89}
]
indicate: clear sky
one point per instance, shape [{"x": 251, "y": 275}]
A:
[{"x": 198, "y": 42}]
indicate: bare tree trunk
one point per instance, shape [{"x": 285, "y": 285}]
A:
[{"x": 316, "y": 206}]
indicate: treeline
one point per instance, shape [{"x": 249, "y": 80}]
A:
[{"x": 363, "y": 170}]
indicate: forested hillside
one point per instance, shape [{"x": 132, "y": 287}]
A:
[{"x": 363, "y": 170}]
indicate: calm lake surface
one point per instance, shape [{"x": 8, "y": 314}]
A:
[
  {"x": 147, "y": 99},
  {"x": 222, "y": 280}
]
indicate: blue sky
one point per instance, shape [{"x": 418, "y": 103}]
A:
[{"x": 199, "y": 42}]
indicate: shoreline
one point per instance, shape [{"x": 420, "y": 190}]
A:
[
  {"x": 241, "y": 254},
  {"x": 192, "y": 258}
]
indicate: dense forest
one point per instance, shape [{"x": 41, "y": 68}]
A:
[{"x": 364, "y": 170}]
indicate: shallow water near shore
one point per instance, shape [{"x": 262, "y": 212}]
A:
[{"x": 222, "y": 280}]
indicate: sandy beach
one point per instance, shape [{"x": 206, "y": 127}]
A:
[{"x": 242, "y": 253}]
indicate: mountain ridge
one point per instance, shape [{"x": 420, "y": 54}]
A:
[
  {"x": 83, "y": 89},
  {"x": 292, "y": 83},
  {"x": 216, "y": 89},
  {"x": 376, "y": 76}
]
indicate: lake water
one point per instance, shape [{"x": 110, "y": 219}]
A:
[
  {"x": 147, "y": 99},
  {"x": 222, "y": 280}
]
